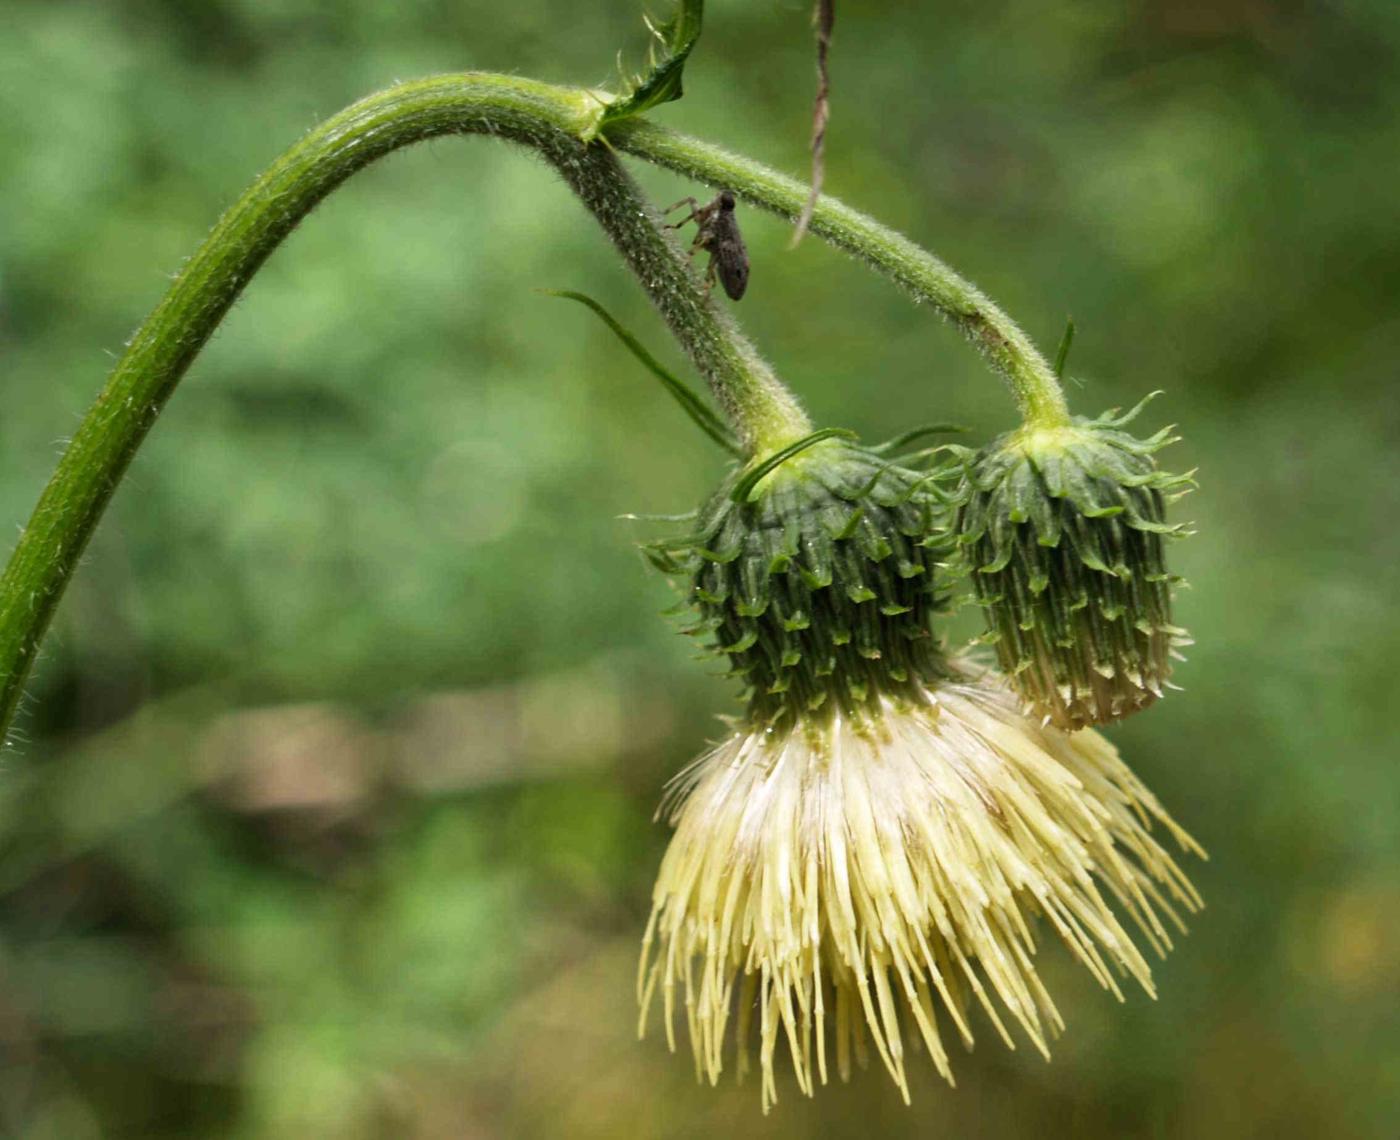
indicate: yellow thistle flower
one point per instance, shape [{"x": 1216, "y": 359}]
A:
[
  {"x": 862, "y": 860},
  {"x": 876, "y": 881}
]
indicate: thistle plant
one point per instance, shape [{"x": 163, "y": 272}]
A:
[{"x": 868, "y": 855}]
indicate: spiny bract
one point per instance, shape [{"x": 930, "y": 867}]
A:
[
  {"x": 819, "y": 583},
  {"x": 1063, "y": 530}
]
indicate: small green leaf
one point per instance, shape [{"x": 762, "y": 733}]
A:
[{"x": 674, "y": 40}]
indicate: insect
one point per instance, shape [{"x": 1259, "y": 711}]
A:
[{"x": 717, "y": 233}]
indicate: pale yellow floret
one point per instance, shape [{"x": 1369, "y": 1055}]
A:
[{"x": 856, "y": 887}]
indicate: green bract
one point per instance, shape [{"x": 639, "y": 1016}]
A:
[
  {"x": 819, "y": 582},
  {"x": 671, "y": 47},
  {"x": 1063, "y": 530}
]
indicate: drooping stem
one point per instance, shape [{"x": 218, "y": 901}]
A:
[
  {"x": 550, "y": 120},
  {"x": 1037, "y": 392},
  {"x": 546, "y": 118}
]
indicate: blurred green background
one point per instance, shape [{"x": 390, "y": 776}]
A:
[{"x": 330, "y": 814}]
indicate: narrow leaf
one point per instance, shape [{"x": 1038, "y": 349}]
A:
[
  {"x": 684, "y": 395},
  {"x": 744, "y": 488},
  {"x": 1062, "y": 354},
  {"x": 909, "y": 437}
]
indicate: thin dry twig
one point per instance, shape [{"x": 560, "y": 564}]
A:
[{"x": 825, "y": 19}]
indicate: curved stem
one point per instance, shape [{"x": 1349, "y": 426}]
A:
[
  {"x": 547, "y": 118},
  {"x": 551, "y": 120},
  {"x": 1038, "y": 394}
]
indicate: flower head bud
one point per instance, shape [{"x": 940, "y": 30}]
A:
[
  {"x": 817, "y": 581},
  {"x": 1064, "y": 529},
  {"x": 857, "y": 867}
]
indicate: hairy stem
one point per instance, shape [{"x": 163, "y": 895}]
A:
[
  {"x": 551, "y": 120},
  {"x": 548, "y": 119},
  {"x": 1037, "y": 392}
]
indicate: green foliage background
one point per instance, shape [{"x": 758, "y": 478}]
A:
[{"x": 331, "y": 812}]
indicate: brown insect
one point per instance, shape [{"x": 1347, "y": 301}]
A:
[{"x": 717, "y": 233}]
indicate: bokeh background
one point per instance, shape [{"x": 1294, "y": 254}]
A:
[{"x": 331, "y": 812}]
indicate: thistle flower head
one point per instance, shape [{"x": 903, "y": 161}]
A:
[
  {"x": 817, "y": 579},
  {"x": 1064, "y": 529},
  {"x": 857, "y": 867}
]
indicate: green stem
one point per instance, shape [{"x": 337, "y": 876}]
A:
[
  {"x": 549, "y": 119},
  {"x": 1038, "y": 394}
]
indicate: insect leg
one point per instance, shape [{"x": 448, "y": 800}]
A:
[
  {"x": 694, "y": 212},
  {"x": 710, "y": 274}
]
